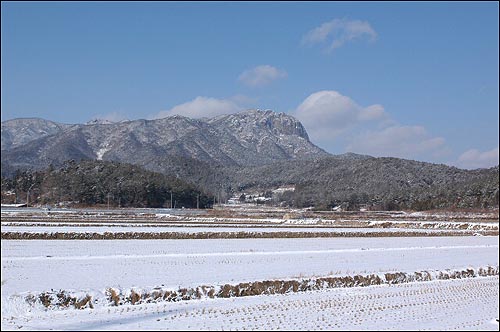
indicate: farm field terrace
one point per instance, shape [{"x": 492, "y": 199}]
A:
[
  {"x": 248, "y": 269},
  {"x": 74, "y": 264},
  {"x": 460, "y": 304},
  {"x": 235, "y": 222},
  {"x": 92, "y": 267}
]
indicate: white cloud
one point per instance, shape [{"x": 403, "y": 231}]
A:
[
  {"x": 202, "y": 107},
  {"x": 409, "y": 142},
  {"x": 373, "y": 112},
  {"x": 335, "y": 121},
  {"x": 474, "y": 158},
  {"x": 339, "y": 31},
  {"x": 261, "y": 75},
  {"x": 327, "y": 114}
]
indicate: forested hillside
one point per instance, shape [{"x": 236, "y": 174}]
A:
[{"x": 89, "y": 183}]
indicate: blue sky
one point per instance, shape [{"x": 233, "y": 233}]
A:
[{"x": 413, "y": 80}]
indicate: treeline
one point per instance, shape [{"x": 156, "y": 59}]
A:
[
  {"x": 372, "y": 183},
  {"x": 91, "y": 182},
  {"x": 472, "y": 194},
  {"x": 350, "y": 182}
]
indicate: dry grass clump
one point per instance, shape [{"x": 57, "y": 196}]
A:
[
  {"x": 487, "y": 271},
  {"x": 228, "y": 235},
  {"x": 269, "y": 287},
  {"x": 266, "y": 287},
  {"x": 85, "y": 302},
  {"x": 61, "y": 299},
  {"x": 134, "y": 297},
  {"x": 113, "y": 296}
]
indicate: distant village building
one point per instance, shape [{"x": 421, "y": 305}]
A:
[{"x": 14, "y": 205}]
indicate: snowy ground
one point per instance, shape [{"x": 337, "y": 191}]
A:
[
  {"x": 93, "y": 266},
  {"x": 462, "y": 304},
  {"x": 246, "y": 216},
  {"x": 74, "y": 265},
  {"x": 200, "y": 229}
]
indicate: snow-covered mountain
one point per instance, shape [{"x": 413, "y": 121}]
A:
[
  {"x": 247, "y": 138},
  {"x": 258, "y": 150},
  {"x": 17, "y": 132}
]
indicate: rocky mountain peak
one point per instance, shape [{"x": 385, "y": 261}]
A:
[
  {"x": 251, "y": 137},
  {"x": 254, "y": 120}
]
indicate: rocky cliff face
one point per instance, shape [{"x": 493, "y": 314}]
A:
[
  {"x": 251, "y": 137},
  {"x": 262, "y": 137}
]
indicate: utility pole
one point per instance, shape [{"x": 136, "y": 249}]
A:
[
  {"x": 171, "y": 200},
  {"x": 28, "y": 195},
  {"x": 198, "y": 201}
]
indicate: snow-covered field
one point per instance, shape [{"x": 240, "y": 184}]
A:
[
  {"x": 91, "y": 267},
  {"x": 244, "y": 218},
  {"x": 74, "y": 264},
  {"x": 390, "y": 249},
  {"x": 461, "y": 304},
  {"x": 200, "y": 229}
]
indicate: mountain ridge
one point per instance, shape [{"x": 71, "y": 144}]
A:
[
  {"x": 251, "y": 150},
  {"x": 251, "y": 137},
  {"x": 19, "y": 131}
]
